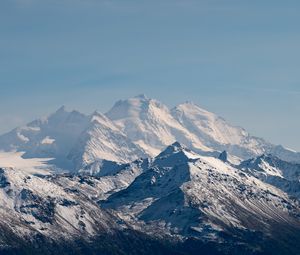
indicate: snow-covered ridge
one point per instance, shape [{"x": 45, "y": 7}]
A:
[
  {"x": 133, "y": 128},
  {"x": 270, "y": 169},
  {"x": 179, "y": 194},
  {"x": 33, "y": 205},
  {"x": 193, "y": 195}
]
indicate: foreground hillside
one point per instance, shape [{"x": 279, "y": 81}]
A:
[{"x": 176, "y": 203}]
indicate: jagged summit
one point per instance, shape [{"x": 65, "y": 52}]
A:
[
  {"x": 173, "y": 148},
  {"x": 61, "y": 109},
  {"x": 223, "y": 156},
  {"x": 175, "y": 154},
  {"x": 198, "y": 196},
  {"x": 59, "y": 117},
  {"x": 176, "y": 148},
  {"x": 97, "y": 113},
  {"x": 151, "y": 125},
  {"x": 63, "y": 113}
]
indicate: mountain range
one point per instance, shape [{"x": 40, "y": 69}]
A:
[
  {"x": 146, "y": 179},
  {"x": 134, "y": 128}
]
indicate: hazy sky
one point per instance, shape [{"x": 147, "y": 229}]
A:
[{"x": 239, "y": 59}]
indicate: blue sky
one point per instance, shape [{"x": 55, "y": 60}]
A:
[{"x": 237, "y": 58}]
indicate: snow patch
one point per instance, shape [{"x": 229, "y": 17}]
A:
[
  {"x": 32, "y": 165},
  {"x": 47, "y": 140}
]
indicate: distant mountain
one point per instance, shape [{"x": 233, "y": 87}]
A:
[
  {"x": 216, "y": 133},
  {"x": 134, "y": 128},
  {"x": 51, "y": 137},
  {"x": 151, "y": 125}
]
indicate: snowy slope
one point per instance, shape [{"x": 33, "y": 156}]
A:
[
  {"x": 216, "y": 133},
  {"x": 32, "y": 165},
  {"x": 102, "y": 140},
  {"x": 51, "y": 137},
  {"x": 150, "y": 124},
  {"x": 191, "y": 195},
  {"x": 33, "y": 205},
  {"x": 270, "y": 169},
  {"x": 104, "y": 178}
]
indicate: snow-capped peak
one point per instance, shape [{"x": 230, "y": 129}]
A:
[
  {"x": 173, "y": 148},
  {"x": 150, "y": 124},
  {"x": 177, "y": 148},
  {"x": 135, "y": 107}
]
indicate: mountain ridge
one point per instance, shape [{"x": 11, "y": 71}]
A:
[
  {"x": 178, "y": 202},
  {"x": 191, "y": 195},
  {"x": 145, "y": 126}
]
